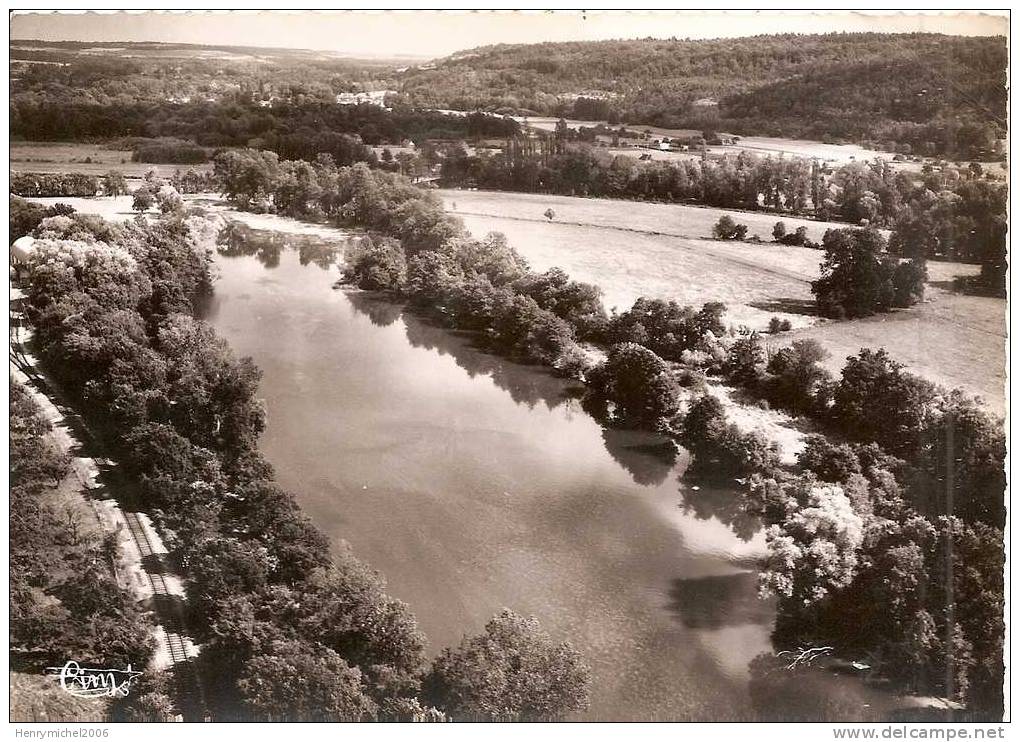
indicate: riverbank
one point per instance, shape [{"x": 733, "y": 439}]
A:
[{"x": 421, "y": 441}]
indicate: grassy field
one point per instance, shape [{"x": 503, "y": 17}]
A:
[
  {"x": 953, "y": 340},
  {"x": 640, "y": 249},
  {"x": 91, "y": 159},
  {"x": 662, "y": 219}
]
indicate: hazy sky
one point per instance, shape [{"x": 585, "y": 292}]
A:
[{"x": 437, "y": 33}]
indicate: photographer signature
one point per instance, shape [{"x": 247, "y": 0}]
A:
[{"x": 90, "y": 682}]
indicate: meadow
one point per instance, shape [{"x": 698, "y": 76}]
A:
[
  {"x": 91, "y": 159},
  {"x": 634, "y": 249},
  {"x": 693, "y": 222}
]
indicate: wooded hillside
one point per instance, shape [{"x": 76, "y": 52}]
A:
[{"x": 929, "y": 91}]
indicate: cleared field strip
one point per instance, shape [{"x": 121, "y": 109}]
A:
[
  {"x": 719, "y": 248},
  {"x": 61, "y": 157},
  {"x": 672, "y": 219}
]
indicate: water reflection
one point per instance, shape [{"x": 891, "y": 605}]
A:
[
  {"x": 474, "y": 483},
  {"x": 647, "y": 457},
  {"x": 526, "y": 385},
  {"x": 812, "y": 693},
  {"x": 237, "y": 239},
  {"x": 380, "y": 311},
  {"x": 716, "y": 601},
  {"x": 711, "y": 500}
]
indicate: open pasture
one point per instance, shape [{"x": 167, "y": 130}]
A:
[
  {"x": 950, "y": 339},
  {"x": 672, "y": 220},
  {"x": 658, "y": 250},
  {"x": 91, "y": 159}
]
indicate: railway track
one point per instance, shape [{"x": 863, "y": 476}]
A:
[
  {"x": 170, "y": 612},
  {"x": 169, "y": 607}
]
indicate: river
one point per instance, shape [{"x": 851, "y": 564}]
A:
[{"x": 472, "y": 483}]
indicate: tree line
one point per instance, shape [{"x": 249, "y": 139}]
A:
[
  {"x": 44, "y": 185},
  {"x": 899, "y": 501},
  {"x": 418, "y": 250},
  {"x": 294, "y": 130},
  {"x": 949, "y": 214},
  {"x": 921, "y": 93},
  {"x": 113, "y": 307}
]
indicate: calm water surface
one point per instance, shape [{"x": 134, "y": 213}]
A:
[{"x": 472, "y": 484}]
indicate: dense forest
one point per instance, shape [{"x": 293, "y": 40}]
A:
[
  {"x": 97, "y": 72},
  {"x": 293, "y": 130},
  {"x": 280, "y": 100},
  {"x": 65, "y": 601},
  {"x": 931, "y": 93}
]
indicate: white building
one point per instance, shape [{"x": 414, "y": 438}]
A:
[{"x": 371, "y": 97}]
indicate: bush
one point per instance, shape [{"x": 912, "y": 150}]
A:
[
  {"x": 573, "y": 363},
  {"x": 114, "y": 184},
  {"x": 829, "y": 462},
  {"x": 379, "y": 265},
  {"x": 777, "y": 325},
  {"x": 908, "y": 280},
  {"x": 143, "y": 199},
  {"x": 877, "y": 401},
  {"x": 578, "y": 303},
  {"x": 512, "y": 672},
  {"x": 522, "y": 329},
  {"x": 815, "y": 551},
  {"x": 727, "y": 229},
  {"x": 169, "y": 200},
  {"x": 150, "y": 700},
  {"x": 25, "y": 216},
  {"x": 859, "y": 279},
  {"x": 794, "y": 377},
  {"x": 795, "y": 239},
  {"x": 745, "y": 361},
  {"x": 170, "y": 151},
  {"x": 54, "y": 184},
  {"x": 634, "y": 386},
  {"x": 667, "y": 328},
  {"x": 328, "y": 690},
  {"x": 720, "y": 447}
]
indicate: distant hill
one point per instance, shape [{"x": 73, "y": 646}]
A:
[
  {"x": 71, "y": 51},
  {"x": 925, "y": 91}
]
